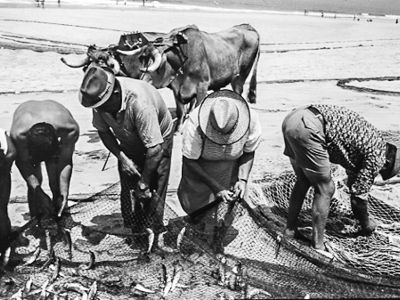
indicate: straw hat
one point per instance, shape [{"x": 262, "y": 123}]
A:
[
  {"x": 224, "y": 117},
  {"x": 97, "y": 86}
]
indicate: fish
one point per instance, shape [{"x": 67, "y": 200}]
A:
[
  {"x": 48, "y": 240},
  {"x": 179, "y": 239},
  {"x": 243, "y": 289},
  {"x": 49, "y": 260},
  {"x": 278, "y": 247},
  {"x": 164, "y": 273},
  {"x": 257, "y": 292},
  {"x": 168, "y": 282},
  {"x": 92, "y": 291},
  {"x": 9, "y": 280},
  {"x": 18, "y": 295},
  {"x": 75, "y": 287},
  {"x": 57, "y": 267},
  {"x": 43, "y": 293},
  {"x": 68, "y": 241},
  {"x": 222, "y": 269},
  {"x": 232, "y": 281},
  {"x": 92, "y": 261},
  {"x": 84, "y": 296},
  {"x": 28, "y": 285},
  {"x": 167, "y": 287},
  {"x": 34, "y": 257},
  {"x": 178, "y": 269},
  {"x": 6, "y": 256},
  {"x": 150, "y": 239},
  {"x": 162, "y": 246},
  {"x": 141, "y": 288}
]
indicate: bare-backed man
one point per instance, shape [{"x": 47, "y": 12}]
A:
[
  {"x": 45, "y": 131},
  {"x": 7, "y": 156}
]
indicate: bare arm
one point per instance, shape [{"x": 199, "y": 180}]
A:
[
  {"x": 65, "y": 165},
  {"x": 153, "y": 158},
  {"x": 245, "y": 166},
  {"x": 24, "y": 164},
  {"x": 111, "y": 143}
]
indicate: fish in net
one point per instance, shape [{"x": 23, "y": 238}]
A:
[{"x": 206, "y": 257}]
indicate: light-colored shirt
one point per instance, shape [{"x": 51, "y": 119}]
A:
[
  {"x": 193, "y": 139},
  {"x": 143, "y": 120}
]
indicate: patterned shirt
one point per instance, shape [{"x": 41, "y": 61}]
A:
[{"x": 355, "y": 144}]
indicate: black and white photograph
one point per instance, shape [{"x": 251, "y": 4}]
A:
[{"x": 199, "y": 149}]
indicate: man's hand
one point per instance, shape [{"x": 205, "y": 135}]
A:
[
  {"x": 128, "y": 166},
  {"x": 225, "y": 195},
  {"x": 143, "y": 191},
  {"x": 239, "y": 189}
]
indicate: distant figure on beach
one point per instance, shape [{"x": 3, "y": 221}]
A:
[
  {"x": 322, "y": 14},
  {"x": 42, "y": 3},
  {"x": 59, "y": 3},
  {"x": 305, "y": 12},
  {"x": 397, "y": 21}
]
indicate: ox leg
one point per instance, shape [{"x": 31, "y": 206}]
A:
[
  {"x": 180, "y": 114},
  {"x": 201, "y": 92},
  {"x": 237, "y": 84}
]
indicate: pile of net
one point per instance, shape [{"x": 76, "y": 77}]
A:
[{"x": 232, "y": 251}]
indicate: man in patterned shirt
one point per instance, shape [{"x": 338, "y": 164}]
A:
[{"x": 318, "y": 135}]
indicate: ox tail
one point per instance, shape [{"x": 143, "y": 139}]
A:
[{"x": 253, "y": 81}]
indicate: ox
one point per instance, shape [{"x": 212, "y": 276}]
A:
[{"x": 188, "y": 61}]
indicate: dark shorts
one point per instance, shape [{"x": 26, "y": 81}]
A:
[{"x": 305, "y": 141}]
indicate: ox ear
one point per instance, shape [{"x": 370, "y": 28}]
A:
[{"x": 180, "y": 38}]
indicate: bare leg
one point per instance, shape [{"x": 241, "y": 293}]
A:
[
  {"x": 237, "y": 84},
  {"x": 360, "y": 211},
  {"x": 33, "y": 207},
  {"x": 54, "y": 183},
  {"x": 324, "y": 190},
  {"x": 296, "y": 200}
]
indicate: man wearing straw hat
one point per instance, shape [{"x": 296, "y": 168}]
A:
[
  {"x": 219, "y": 141},
  {"x": 7, "y": 156},
  {"x": 134, "y": 123},
  {"x": 317, "y": 135}
]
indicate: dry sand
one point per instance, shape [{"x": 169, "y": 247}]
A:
[{"x": 302, "y": 59}]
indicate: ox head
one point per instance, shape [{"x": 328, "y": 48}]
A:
[
  {"x": 101, "y": 56},
  {"x": 158, "y": 61}
]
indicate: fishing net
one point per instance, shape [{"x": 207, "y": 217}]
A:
[{"x": 231, "y": 251}]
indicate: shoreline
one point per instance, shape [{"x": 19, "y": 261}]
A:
[{"x": 233, "y": 8}]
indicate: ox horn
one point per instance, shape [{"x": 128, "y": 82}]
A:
[
  {"x": 82, "y": 62},
  {"x": 130, "y": 52},
  {"x": 113, "y": 63},
  {"x": 156, "y": 64}
]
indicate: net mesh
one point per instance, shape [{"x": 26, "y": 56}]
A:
[{"x": 232, "y": 251}]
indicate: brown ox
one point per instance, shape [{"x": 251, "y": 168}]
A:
[{"x": 188, "y": 61}]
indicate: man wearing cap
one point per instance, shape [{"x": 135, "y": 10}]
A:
[
  {"x": 134, "y": 123},
  {"x": 317, "y": 135},
  {"x": 7, "y": 156},
  {"x": 219, "y": 141},
  {"x": 45, "y": 131}
]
